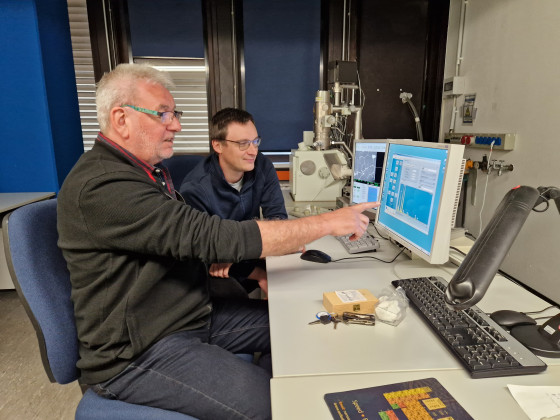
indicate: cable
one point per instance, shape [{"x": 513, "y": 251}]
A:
[
  {"x": 339, "y": 130},
  {"x": 453, "y": 262},
  {"x": 370, "y": 257},
  {"x": 535, "y": 312},
  {"x": 362, "y": 93},
  {"x": 541, "y": 317},
  {"x": 541, "y": 311},
  {"x": 320, "y": 190},
  {"x": 405, "y": 97},
  {"x": 377, "y": 230},
  {"x": 543, "y": 210},
  {"x": 485, "y": 186},
  {"x": 458, "y": 250},
  {"x": 545, "y": 201},
  {"x": 470, "y": 235}
]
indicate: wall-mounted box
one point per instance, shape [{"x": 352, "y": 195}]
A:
[{"x": 454, "y": 86}]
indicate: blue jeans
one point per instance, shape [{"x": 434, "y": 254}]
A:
[{"x": 197, "y": 372}]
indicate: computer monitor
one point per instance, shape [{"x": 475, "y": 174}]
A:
[
  {"x": 420, "y": 193},
  {"x": 367, "y": 170}
]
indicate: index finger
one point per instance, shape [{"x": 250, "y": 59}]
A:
[{"x": 365, "y": 206}]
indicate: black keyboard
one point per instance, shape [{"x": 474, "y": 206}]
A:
[{"x": 484, "y": 348}]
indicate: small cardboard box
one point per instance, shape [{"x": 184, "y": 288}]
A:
[{"x": 360, "y": 301}]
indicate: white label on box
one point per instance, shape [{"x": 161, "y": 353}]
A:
[{"x": 350, "y": 296}]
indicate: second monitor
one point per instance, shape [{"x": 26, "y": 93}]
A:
[{"x": 367, "y": 170}]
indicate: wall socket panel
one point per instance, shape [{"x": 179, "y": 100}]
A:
[{"x": 502, "y": 141}]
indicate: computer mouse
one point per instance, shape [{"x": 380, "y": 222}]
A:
[
  {"x": 510, "y": 319},
  {"x": 315, "y": 255}
]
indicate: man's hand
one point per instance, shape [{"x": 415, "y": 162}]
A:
[
  {"x": 220, "y": 270},
  {"x": 349, "y": 220},
  {"x": 287, "y": 236},
  {"x": 260, "y": 275}
]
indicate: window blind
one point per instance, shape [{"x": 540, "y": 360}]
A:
[
  {"x": 189, "y": 75},
  {"x": 83, "y": 67}
]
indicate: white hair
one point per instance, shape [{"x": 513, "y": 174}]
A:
[{"x": 118, "y": 87}]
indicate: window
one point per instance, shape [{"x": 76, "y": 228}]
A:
[
  {"x": 189, "y": 75},
  {"x": 83, "y": 67}
]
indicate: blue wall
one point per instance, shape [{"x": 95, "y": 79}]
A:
[
  {"x": 282, "y": 57},
  {"x": 40, "y": 127}
]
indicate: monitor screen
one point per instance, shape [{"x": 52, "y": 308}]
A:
[
  {"x": 367, "y": 170},
  {"x": 420, "y": 194}
]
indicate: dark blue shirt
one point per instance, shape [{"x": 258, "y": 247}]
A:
[{"x": 205, "y": 188}]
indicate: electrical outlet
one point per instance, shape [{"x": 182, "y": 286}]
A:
[{"x": 502, "y": 141}]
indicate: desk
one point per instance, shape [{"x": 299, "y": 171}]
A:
[
  {"x": 484, "y": 399},
  {"x": 309, "y": 360},
  {"x": 9, "y": 202}
]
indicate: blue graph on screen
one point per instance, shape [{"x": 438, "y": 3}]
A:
[
  {"x": 415, "y": 203},
  {"x": 411, "y": 192}
]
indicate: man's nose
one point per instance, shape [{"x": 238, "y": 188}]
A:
[
  {"x": 253, "y": 148},
  {"x": 175, "y": 125}
]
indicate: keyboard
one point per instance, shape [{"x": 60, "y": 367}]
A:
[
  {"x": 484, "y": 348},
  {"x": 366, "y": 243}
]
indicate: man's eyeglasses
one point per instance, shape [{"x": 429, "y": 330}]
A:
[
  {"x": 244, "y": 144},
  {"x": 166, "y": 117}
]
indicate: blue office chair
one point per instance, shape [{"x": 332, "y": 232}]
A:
[
  {"x": 42, "y": 281},
  {"x": 180, "y": 165}
]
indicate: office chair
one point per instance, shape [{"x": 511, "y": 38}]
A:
[
  {"x": 180, "y": 165},
  {"x": 42, "y": 281}
]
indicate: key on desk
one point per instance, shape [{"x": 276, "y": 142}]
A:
[{"x": 323, "y": 319}]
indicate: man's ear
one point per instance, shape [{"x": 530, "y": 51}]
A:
[
  {"x": 119, "y": 121},
  {"x": 217, "y": 146}
]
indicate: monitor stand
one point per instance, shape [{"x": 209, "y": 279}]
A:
[{"x": 543, "y": 340}]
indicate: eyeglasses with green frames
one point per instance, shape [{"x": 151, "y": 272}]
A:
[
  {"x": 244, "y": 144},
  {"x": 166, "y": 117}
]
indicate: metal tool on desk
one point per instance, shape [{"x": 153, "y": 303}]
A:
[
  {"x": 355, "y": 318},
  {"x": 347, "y": 318}
]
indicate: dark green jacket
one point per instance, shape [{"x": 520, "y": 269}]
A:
[{"x": 137, "y": 259}]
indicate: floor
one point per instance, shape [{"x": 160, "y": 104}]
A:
[{"x": 25, "y": 390}]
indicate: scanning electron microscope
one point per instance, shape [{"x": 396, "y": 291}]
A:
[{"x": 320, "y": 167}]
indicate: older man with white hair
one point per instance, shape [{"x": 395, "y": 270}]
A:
[{"x": 149, "y": 332}]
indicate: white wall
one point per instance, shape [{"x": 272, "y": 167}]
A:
[{"x": 511, "y": 60}]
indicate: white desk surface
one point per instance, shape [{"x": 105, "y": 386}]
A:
[
  {"x": 309, "y": 360},
  {"x": 11, "y": 201},
  {"x": 295, "y": 295},
  {"x": 301, "y": 398}
]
